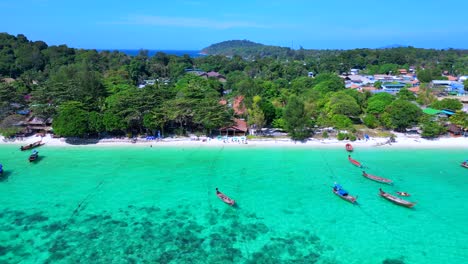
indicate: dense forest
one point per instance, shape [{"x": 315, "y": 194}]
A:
[{"x": 89, "y": 93}]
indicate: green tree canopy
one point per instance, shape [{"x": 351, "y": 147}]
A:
[
  {"x": 343, "y": 104},
  {"x": 71, "y": 120},
  {"x": 295, "y": 118},
  {"x": 447, "y": 103},
  {"x": 402, "y": 114}
]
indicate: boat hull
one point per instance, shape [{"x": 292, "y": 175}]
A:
[
  {"x": 354, "y": 162},
  {"x": 349, "y": 147},
  {"x": 348, "y": 197},
  {"x": 377, "y": 178},
  {"x": 225, "y": 198},
  {"x": 31, "y": 146},
  {"x": 396, "y": 200}
]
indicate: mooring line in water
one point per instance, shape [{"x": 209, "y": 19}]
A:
[
  {"x": 327, "y": 165},
  {"x": 210, "y": 169},
  {"x": 79, "y": 207},
  {"x": 393, "y": 233},
  {"x": 444, "y": 220}
]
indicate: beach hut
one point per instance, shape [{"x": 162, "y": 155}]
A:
[
  {"x": 239, "y": 128},
  {"x": 454, "y": 130}
]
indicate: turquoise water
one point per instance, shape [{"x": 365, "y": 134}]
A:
[{"x": 158, "y": 205}]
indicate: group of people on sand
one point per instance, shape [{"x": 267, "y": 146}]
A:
[{"x": 240, "y": 140}]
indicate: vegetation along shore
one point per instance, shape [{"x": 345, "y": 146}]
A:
[{"x": 249, "y": 90}]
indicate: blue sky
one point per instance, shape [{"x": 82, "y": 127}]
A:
[{"x": 195, "y": 24}]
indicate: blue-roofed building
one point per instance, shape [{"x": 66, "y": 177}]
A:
[
  {"x": 393, "y": 87},
  {"x": 454, "y": 88}
]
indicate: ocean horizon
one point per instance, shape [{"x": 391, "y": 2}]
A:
[{"x": 152, "y": 52}]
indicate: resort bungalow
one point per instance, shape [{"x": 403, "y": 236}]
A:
[
  {"x": 454, "y": 130},
  {"x": 36, "y": 125},
  {"x": 239, "y": 128}
]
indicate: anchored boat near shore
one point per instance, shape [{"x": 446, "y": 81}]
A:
[
  {"x": 396, "y": 200},
  {"x": 32, "y": 145},
  {"x": 354, "y": 162},
  {"x": 343, "y": 194},
  {"x": 376, "y": 178}
]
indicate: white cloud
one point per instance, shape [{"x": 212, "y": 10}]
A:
[{"x": 187, "y": 22}]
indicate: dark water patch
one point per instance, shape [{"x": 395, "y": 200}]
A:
[
  {"x": 4, "y": 250},
  {"x": 52, "y": 227},
  {"x": 156, "y": 236},
  {"x": 393, "y": 261},
  {"x": 150, "y": 210},
  {"x": 5, "y": 176}
]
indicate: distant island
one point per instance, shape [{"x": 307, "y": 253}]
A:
[
  {"x": 245, "y": 48},
  {"x": 250, "y": 49}
]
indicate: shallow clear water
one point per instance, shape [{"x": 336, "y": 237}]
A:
[{"x": 158, "y": 205}]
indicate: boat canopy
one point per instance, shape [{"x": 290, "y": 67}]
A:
[{"x": 340, "y": 190}]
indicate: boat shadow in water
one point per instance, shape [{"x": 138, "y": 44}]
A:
[
  {"x": 38, "y": 159},
  {"x": 4, "y": 176},
  {"x": 81, "y": 141}
]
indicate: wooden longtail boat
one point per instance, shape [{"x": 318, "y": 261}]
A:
[
  {"x": 464, "y": 164},
  {"x": 349, "y": 147},
  {"x": 396, "y": 200},
  {"x": 33, "y": 145},
  {"x": 34, "y": 155},
  {"x": 354, "y": 162},
  {"x": 376, "y": 178},
  {"x": 224, "y": 198},
  {"x": 339, "y": 191}
]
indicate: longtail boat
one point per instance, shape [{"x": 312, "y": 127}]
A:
[
  {"x": 396, "y": 200},
  {"x": 224, "y": 198},
  {"x": 349, "y": 147},
  {"x": 34, "y": 155},
  {"x": 32, "y": 145},
  {"x": 354, "y": 162},
  {"x": 376, "y": 178},
  {"x": 343, "y": 194},
  {"x": 464, "y": 164}
]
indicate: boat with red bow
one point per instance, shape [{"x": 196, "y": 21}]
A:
[
  {"x": 343, "y": 194},
  {"x": 354, "y": 162},
  {"x": 464, "y": 164},
  {"x": 349, "y": 147},
  {"x": 225, "y": 198},
  {"x": 376, "y": 178},
  {"x": 396, "y": 200}
]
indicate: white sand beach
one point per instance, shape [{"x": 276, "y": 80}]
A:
[{"x": 402, "y": 141}]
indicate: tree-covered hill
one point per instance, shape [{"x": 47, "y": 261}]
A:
[{"x": 245, "y": 48}]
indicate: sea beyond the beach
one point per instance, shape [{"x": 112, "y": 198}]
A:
[{"x": 141, "y": 204}]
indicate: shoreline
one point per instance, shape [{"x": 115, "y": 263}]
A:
[{"x": 402, "y": 141}]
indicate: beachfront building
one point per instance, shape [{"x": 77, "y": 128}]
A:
[{"x": 239, "y": 128}]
